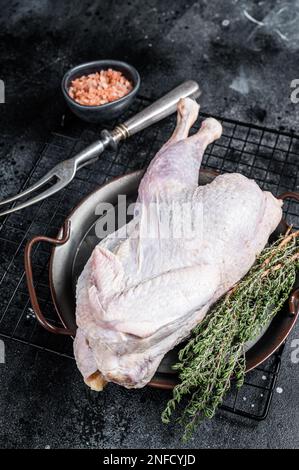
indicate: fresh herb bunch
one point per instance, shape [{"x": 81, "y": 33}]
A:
[{"x": 215, "y": 353}]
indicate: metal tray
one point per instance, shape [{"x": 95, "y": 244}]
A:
[{"x": 72, "y": 249}]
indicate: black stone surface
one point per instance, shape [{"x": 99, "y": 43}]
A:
[{"x": 245, "y": 71}]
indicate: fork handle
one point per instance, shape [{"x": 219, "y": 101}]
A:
[
  {"x": 148, "y": 116},
  {"x": 159, "y": 109}
]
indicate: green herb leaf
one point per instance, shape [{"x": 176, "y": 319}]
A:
[{"x": 215, "y": 354}]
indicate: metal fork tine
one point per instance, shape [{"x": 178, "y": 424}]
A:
[
  {"x": 49, "y": 192},
  {"x": 31, "y": 189}
]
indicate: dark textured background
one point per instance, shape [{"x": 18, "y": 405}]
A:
[{"x": 245, "y": 73}]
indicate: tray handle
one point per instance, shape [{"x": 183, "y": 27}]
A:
[
  {"x": 30, "y": 283},
  {"x": 289, "y": 194},
  {"x": 294, "y": 298}
]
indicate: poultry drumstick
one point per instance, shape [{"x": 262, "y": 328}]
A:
[{"x": 146, "y": 286}]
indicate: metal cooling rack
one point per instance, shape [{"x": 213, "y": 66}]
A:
[{"x": 268, "y": 156}]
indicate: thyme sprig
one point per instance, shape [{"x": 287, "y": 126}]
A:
[{"x": 216, "y": 351}]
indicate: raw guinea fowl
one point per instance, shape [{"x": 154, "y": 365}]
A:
[{"x": 144, "y": 288}]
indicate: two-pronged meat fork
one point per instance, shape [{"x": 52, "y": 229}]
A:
[{"x": 63, "y": 173}]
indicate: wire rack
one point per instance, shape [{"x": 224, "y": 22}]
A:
[{"x": 268, "y": 156}]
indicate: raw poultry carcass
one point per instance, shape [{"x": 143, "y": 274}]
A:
[{"x": 145, "y": 288}]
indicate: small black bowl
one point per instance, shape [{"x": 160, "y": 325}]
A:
[{"x": 107, "y": 111}]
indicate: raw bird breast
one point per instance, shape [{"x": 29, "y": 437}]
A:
[{"x": 145, "y": 288}]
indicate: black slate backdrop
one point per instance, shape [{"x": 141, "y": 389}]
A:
[{"x": 245, "y": 70}]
